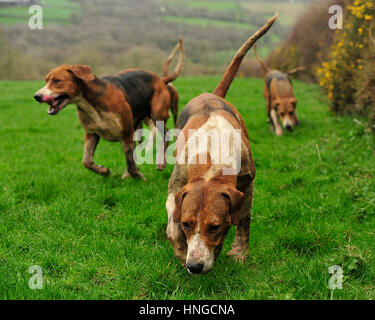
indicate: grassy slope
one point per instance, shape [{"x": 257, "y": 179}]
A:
[{"x": 104, "y": 238}]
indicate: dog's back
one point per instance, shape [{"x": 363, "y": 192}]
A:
[
  {"x": 138, "y": 86},
  {"x": 278, "y": 84}
]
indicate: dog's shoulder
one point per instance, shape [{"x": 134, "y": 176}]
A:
[
  {"x": 203, "y": 106},
  {"x": 138, "y": 87}
]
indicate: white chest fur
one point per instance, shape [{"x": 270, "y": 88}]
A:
[{"x": 107, "y": 125}]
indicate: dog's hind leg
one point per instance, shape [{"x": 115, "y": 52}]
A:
[
  {"x": 160, "y": 112},
  {"x": 152, "y": 136},
  {"x": 174, "y": 106},
  {"x": 132, "y": 169},
  {"x": 91, "y": 142},
  {"x": 240, "y": 246}
]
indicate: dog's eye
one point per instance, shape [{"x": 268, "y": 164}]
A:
[
  {"x": 282, "y": 114},
  {"x": 213, "y": 228},
  {"x": 56, "y": 81},
  {"x": 291, "y": 113},
  {"x": 186, "y": 225}
]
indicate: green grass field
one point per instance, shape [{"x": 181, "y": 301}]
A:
[
  {"x": 54, "y": 11},
  {"x": 102, "y": 238}
]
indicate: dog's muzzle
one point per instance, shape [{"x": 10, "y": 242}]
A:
[
  {"x": 38, "y": 97},
  {"x": 289, "y": 128},
  {"x": 195, "y": 267},
  {"x": 55, "y": 104}
]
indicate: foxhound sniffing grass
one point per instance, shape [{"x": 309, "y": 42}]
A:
[
  {"x": 111, "y": 107},
  {"x": 281, "y": 102},
  {"x": 206, "y": 197}
]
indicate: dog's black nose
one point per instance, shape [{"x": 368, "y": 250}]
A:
[
  {"x": 195, "y": 267},
  {"x": 289, "y": 128},
  {"x": 38, "y": 97}
]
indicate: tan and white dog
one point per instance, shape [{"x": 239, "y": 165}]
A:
[
  {"x": 113, "y": 107},
  {"x": 281, "y": 102},
  {"x": 206, "y": 198}
]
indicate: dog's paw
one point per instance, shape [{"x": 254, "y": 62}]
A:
[
  {"x": 138, "y": 175},
  {"x": 103, "y": 171},
  {"x": 125, "y": 175},
  {"x": 160, "y": 167},
  {"x": 240, "y": 255},
  {"x": 279, "y": 132}
]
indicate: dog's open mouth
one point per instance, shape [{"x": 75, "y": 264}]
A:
[{"x": 56, "y": 104}]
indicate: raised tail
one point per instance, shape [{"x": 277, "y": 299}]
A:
[
  {"x": 261, "y": 62},
  {"x": 223, "y": 87},
  {"x": 177, "y": 71},
  {"x": 291, "y": 72}
]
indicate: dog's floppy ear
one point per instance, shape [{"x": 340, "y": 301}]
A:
[
  {"x": 294, "y": 102},
  {"x": 235, "y": 198},
  {"x": 179, "y": 199},
  {"x": 82, "y": 72}
]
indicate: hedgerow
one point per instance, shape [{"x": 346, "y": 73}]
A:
[{"x": 348, "y": 73}]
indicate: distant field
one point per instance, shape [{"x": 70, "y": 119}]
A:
[
  {"x": 213, "y": 5},
  {"x": 208, "y": 22},
  {"x": 54, "y": 11},
  {"x": 103, "y": 238},
  {"x": 235, "y": 15},
  {"x": 288, "y": 12}
]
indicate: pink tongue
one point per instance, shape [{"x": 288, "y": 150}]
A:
[{"x": 48, "y": 99}]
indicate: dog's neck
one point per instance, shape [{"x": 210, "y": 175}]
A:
[
  {"x": 87, "y": 107},
  {"x": 85, "y": 100}
]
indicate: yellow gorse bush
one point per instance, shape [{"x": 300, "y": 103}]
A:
[{"x": 348, "y": 57}]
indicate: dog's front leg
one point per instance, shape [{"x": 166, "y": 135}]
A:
[
  {"x": 297, "y": 120},
  {"x": 240, "y": 246},
  {"x": 132, "y": 169},
  {"x": 161, "y": 156},
  {"x": 175, "y": 234},
  {"x": 91, "y": 142},
  {"x": 276, "y": 123}
]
